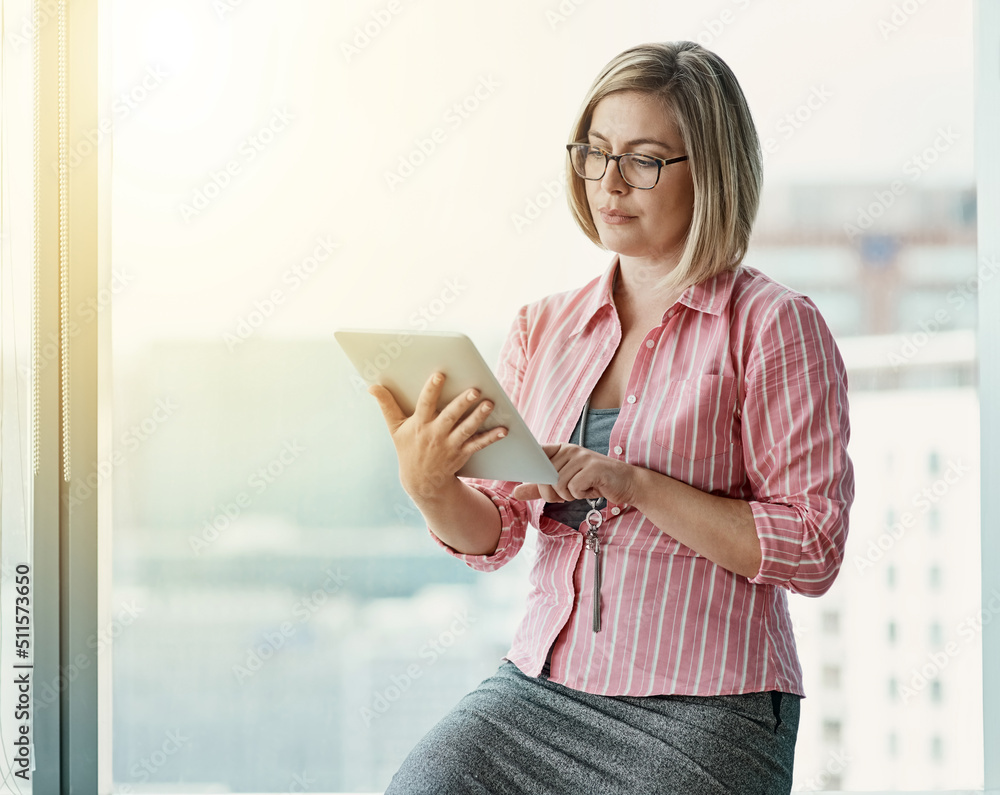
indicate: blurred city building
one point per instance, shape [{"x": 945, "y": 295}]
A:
[{"x": 287, "y": 583}]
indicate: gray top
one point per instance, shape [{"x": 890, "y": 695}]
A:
[{"x": 599, "y": 425}]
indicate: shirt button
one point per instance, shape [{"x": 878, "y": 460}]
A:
[
  {"x": 618, "y": 450},
  {"x": 650, "y": 343},
  {"x": 630, "y": 398},
  {"x": 616, "y": 510}
]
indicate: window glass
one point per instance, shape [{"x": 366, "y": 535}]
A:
[{"x": 282, "y": 170}]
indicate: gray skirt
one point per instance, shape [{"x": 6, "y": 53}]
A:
[{"x": 518, "y": 735}]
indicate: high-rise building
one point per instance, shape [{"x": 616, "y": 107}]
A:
[{"x": 229, "y": 516}]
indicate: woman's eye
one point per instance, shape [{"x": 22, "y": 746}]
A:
[{"x": 642, "y": 162}]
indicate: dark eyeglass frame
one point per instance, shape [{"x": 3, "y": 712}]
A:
[{"x": 660, "y": 163}]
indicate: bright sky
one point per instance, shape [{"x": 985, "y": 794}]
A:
[{"x": 310, "y": 113}]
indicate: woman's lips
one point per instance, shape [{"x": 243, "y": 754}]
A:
[{"x": 615, "y": 216}]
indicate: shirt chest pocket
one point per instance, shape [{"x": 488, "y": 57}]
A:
[{"x": 700, "y": 419}]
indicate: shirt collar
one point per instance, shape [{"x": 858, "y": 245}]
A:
[
  {"x": 600, "y": 296},
  {"x": 710, "y": 295}
]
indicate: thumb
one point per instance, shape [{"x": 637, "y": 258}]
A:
[
  {"x": 526, "y": 491},
  {"x": 391, "y": 411}
]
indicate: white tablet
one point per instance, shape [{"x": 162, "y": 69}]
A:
[{"x": 402, "y": 361}]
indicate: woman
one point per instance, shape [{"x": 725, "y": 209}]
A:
[{"x": 657, "y": 653}]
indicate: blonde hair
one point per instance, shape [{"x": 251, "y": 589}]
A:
[{"x": 720, "y": 139}]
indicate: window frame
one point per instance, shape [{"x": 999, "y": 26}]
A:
[
  {"x": 987, "y": 122},
  {"x": 65, "y": 530}
]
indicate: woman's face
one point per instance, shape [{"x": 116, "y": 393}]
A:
[{"x": 649, "y": 224}]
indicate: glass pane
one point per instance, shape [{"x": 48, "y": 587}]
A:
[{"x": 282, "y": 171}]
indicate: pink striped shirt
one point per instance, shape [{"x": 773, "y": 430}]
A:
[{"x": 741, "y": 392}]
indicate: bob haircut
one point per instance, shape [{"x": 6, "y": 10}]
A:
[{"x": 702, "y": 94}]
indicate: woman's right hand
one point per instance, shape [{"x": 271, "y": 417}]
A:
[{"x": 432, "y": 446}]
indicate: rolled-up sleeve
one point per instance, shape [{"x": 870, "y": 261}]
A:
[
  {"x": 795, "y": 435},
  {"x": 513, "y": 513},
  {"x": 513, "y": 527}
]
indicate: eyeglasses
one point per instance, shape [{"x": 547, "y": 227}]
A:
[{"x": 638, "y": 171}]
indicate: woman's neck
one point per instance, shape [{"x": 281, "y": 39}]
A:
[{"x": 638, "y": 295}]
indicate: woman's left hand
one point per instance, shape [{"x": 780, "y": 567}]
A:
[{"x": 583, "y": 474}]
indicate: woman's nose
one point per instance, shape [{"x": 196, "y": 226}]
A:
[{"x": 612, "y": 181}]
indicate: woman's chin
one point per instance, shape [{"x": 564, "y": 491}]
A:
[{"x": 624, "y": 245}]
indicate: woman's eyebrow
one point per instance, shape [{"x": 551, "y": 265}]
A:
[{"x": 636, "y": 142}]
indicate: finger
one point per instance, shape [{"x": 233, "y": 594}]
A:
[
  {"x": 482, "y": 440},
  {"x": 458, "y": 408},
  {"x": 559, "y": 493},
  {"x": 561, "y": 454},
  {"x": 581, "y": 489},
  {"x": 391, "y": 411},
  {"x": 535, "y": 491},
  {"x": 581, "y": 472},
  {"x": 426, "y": 406},
  {"x": 568, "y": 471},
  {"x": 526, "y": 491},
  {"x": 468, "y": 427},
  {"x": 549, "y": 494}
]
